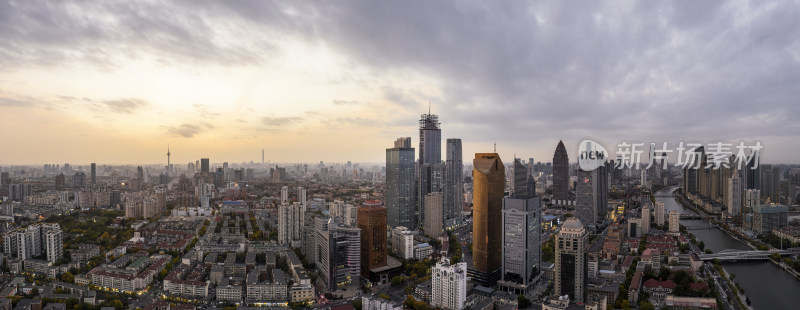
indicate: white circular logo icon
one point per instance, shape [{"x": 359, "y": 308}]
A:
[{"x": 591, "y": 155}]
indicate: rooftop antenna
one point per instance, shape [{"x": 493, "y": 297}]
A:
[
  {"x": 429, "y": 107},
  {"x": 495, "y": 146}
]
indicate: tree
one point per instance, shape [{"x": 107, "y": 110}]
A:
[
  {"x": 663, "y": 273},
  {"x": 357, "y": 304},
  {"x": 385, "y": 296},
  {"x": 397, "y": 280},
  {"x": 68, "y": 277},
  {"x": 523, "y": 302},
  {"x": 646, "y": 306},
  {"x": 701, "y": 245}
]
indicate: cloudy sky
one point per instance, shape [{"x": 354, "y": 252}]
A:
[{"x": 116, "y": 81}]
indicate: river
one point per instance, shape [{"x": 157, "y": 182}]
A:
[{"x": 767, "y": 286}]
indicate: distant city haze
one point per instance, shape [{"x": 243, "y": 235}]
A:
[{"x": 115, "y": 82}]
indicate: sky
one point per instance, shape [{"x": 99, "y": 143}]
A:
[{"x": 116, "y": 82}]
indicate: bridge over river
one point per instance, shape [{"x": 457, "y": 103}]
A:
[{"x": 741, "y": 255}]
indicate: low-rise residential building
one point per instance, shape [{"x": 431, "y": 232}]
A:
[
  {"x": 267, "y": 285},
  {"x": 301, "y": 292},
  {"x": 130, "y": 273},
  {"x": 188, "y": 281},
  {"x": 377, "y": 303},
  {"x": 423, "y": 251},
  {"x": 229, "y": 293},
  {"x": 84, "y": 253}
]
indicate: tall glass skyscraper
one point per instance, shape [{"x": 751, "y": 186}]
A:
[
  {"x": 560, "y": 173},
  {"x": 431, "y": 169},
  {"x": 400, "y": 198},
  {"x": 454, "y": 183}
]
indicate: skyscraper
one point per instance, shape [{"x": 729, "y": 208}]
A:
[
  {"x": 560, "y": 173},
  {"x": 734, "y": 198},
  {"x": 770, "y": 183},
  {"x": 645, "y": 219},
  {"x": 659, "y": 213},
  {"x": 449, "y": 285},
  {"x": 400, "y": 198},
  {"x": 570, "y": 267},
  {"x": 291, "y": 219},
  {"x": 522, "y": 183},
  {"x": 5, "y": 179},
  {"x": 454, "y": 183},
  {"x": 338, "y": 254},
  {"x": 430, "y": 139},
  {"x": 204, "y": 167},
  {"x": 521, "y": 237},
  {"x": 488, "y": 174},
  {"x": 285, "y": 194},
  {"x": 301, "y": 195},
  {"x": 374, "y": 242},
  {"x": 94, "y": 174},
  {"x": 61, "y": 182},
  {"x": 674, "y": 221},
  {"x": 433, "y": 214},
  {"x": 591, "y": 197},
  {"x": 431, "y": 170}
]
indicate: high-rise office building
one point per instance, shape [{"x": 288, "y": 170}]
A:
[
  {"x": 734, "y": 197},
  {"x": 94, "y": 174},
  {"x": 338, "y": 254},
  {"x": 400, "y": 198},
  {"x": 5, "y": 178},
  {"x": 659, "y": 213},
  {"x": 770, "y": 183},
  {"x": 560, "y": 173},
  {"x": 433, "y": 214},
  {"x": 430, "y": 139},
  {"x": 591, "y": 197},
  {"x": 374, "y": 240},
  {"x": 488, "y": 179},
  {"x": 571, "y": 265},
  {"x": 767, "y": 218},
  {"x": 752, "y": 199},
  {"x": 521, "y": 239},
  {"x": 285, "y": 194},
  {"x": 454, "y": 183},
  {"x": 430, "y": 168},
  {"x": 204, "y": 166},
  {"x": 291, "y": 219},
  {"x": 449, "y": 285},
  {"x": 522, "y": 183}
]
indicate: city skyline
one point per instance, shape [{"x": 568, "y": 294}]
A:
[{"x": 85, "y": 82}]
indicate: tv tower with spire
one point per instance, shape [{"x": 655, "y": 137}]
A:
[{"x": 168, "y": 165}]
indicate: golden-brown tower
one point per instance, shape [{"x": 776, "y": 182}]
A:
[{"x": 488, "y": 176}]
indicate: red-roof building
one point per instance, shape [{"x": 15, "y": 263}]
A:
[{"x": 658, "y": 289}]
